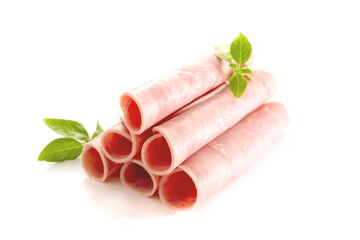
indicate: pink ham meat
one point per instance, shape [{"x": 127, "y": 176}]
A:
[
  {"x": 135, "y": 177},
  {"x": 120, "y": 145},
  {"x": 213, "y": 166},
  {"x": 147, "y": 104},
  {"x": 94, "y": 162},
  {"x": 177, "y": 139}
]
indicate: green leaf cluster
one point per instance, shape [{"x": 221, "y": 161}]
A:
[
  {"x": 237, "y": 54},
  {"x": 69, "y": 147}
]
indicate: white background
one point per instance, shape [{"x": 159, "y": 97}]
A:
[{"x": 72, "y": 59}]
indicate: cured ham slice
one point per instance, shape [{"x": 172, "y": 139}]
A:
[
  {"x": 177, "y": 139},
  {"x": 94, "y": 162},
  {"x": 120, "y": 145},
  {"x": 135, "y": 177},
  {"x": 214, "y": 165},
  {"x": 148, "y": 104}
]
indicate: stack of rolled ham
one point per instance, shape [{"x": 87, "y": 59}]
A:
[{"x": 185, "y": 136}]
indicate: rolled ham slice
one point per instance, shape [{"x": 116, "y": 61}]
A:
[
  {"x": 138, "y": 179},
  {"x": 94, "y": 162},
  {"x": 177, "y": 139},
  {"x": 214, "y": 165},
  {"x": 120, "y": 145},
  {"x": 147, "y": 104}
]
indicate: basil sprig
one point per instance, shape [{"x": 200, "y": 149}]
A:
[
  {"x": 237, "y": 54},
  {"x": 69, "y": 147}
]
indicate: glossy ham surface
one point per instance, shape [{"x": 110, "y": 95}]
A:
[
  {"x": 224, "y": 158},
  {"x": 180, "y": 137},
  {"x": 149, "y": 103},
  {"x": 94, "y": 162}
]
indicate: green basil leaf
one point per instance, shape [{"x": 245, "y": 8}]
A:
[
  {"x": 245, "y": 71},
  {"x": 240, "y": 49},
  {"x": 61, "y": 149},
  {"x": 237, "y": 85},
  {"x": 223, "y": 52},
  {"x": 98, "y": 130},
  {"x": 68, "y": 128}
]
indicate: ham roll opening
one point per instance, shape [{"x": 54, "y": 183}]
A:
[
  {"x": 133, "y": 115},
  {"x": 156, "y": 155},
  {"x": 178, "y": 190},
  {"x": 134, "y": 176},
  {"x": 94, "y": 162},
  {"x": 116, "y": 145},
  {"x": 120, "y": 145}
]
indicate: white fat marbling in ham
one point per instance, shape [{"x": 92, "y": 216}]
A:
[
  {"x": 138, "y": 179},
  {"x": 120, "y": 145},
  {"x": 149, "y": 103},
  {"x": 224, "y": 158},
  {"x": 94, "y": 162},
  {"x": 180, "y": 137}
]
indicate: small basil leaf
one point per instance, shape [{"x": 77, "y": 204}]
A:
[
  {"x": 245, "y": 71},
  {"x": 68, "y": 128},
  {"x": 240, "y": 49},
  {"x": 61, "y": 149},
  {"x": 98, "y": 130},
  {"x": 223, "y": 52},
  {"x": 237, "y": 85}
]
